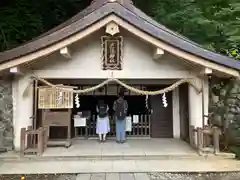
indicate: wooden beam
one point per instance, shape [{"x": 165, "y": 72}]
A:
[
  {"x": 16, "y": 70},
  {"x": 206, "y": 71},
  {"x": 65, "y": 53},
  {"x": 158, "y": 52}
]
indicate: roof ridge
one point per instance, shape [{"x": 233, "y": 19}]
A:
[{"x": 112, "y": 1}]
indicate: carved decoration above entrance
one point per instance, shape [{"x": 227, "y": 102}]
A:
[{"x": 112, "y": 51}]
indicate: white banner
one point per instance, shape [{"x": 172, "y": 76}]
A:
[
  {"x": 135, "y": 119},
  {"x": 79, "y": 122},
  {"x": 128, "y": 126}
]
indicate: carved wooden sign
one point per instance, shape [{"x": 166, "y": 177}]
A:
[{"x": 112, "y": 50}]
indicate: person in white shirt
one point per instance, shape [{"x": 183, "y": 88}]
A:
[{"x": 102, "y": 125}]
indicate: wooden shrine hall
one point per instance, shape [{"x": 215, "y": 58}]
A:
[{"x": 58, "y": 78}]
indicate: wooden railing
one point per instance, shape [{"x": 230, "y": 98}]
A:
[
  {"x": 141, "y": 129},
  {"x": 33, "y": 141},
  {"x": 201, "y": 138}
]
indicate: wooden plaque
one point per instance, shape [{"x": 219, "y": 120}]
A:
[{"x": 112, "y": 51}]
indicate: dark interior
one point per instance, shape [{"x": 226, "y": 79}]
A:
[
  {"x": 89, "y": 102},
  {"x": 136, "y": 105}
]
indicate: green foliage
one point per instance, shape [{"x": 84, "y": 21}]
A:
[
  {"x": 213, "y": 24},
  {"x": 236, "y": 150},
  {"x": 22, "y": 20}
]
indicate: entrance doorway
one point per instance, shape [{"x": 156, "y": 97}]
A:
[
  {"x": 136, "y": 106},
  {"x": 161, "y": 118},
  {"x": 154, "y": 120},
  {"x": 184, "y": 112}
]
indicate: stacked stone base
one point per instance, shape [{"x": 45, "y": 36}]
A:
[{"x": 6, "y": 116}]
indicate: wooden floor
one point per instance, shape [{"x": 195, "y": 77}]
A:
[{"x": 133, "y": 147}]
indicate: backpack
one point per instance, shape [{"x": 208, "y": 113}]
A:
[
  {"x": 102, "y": 111},
  {"x": 120, "y": 111}
]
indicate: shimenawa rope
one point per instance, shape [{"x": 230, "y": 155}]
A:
[{"x": 138, "y": 91}]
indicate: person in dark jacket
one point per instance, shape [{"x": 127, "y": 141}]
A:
[
  {"x": 102, "y": 125},
  {"x": 120, "y": 108}
]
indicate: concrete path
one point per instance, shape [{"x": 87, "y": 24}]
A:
[
  {"x": 113, "y": 176},
  {"x": 121, "y": 166}
]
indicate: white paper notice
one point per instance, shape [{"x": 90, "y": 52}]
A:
[
  {"x": 80, "y": 122},
  {"x": 128, "y": 126},
  {"x": 135, "y": 119}
]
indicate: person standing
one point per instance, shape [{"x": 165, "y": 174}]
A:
[
  {"x": 102, "y": 126},
  {"x": 120, "y": 108}
]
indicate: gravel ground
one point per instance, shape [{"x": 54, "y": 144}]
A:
[
  {"x": 191, "y": 176},
  {"x": 39, "y": 177},
  {"x": 153, "y": 176}
]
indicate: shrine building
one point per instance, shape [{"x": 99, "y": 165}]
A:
[{"x": 59, "y": 76}]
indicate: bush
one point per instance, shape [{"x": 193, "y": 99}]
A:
[{"x": 236, "y": 150}]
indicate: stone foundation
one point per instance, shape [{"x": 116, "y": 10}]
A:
[{"x": 6, "y": 114}]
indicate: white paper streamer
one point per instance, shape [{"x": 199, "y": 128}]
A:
[
  {"x": 164, "y": 100},
  {"x": 146, "y": 101},
  {"x": 77, "y": 101}
]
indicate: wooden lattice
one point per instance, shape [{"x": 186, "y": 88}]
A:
[{"x": 53, "y": 98}]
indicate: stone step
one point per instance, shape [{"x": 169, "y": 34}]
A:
[
  {"x": 99, "y": 167},
  {"x": 220, "y": 156},
  {"x": 84, "y": 177}
]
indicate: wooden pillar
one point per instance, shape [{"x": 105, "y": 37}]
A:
[
  {"x": 69, "y": 129},
  {"x": 40, "y": 136},
  {"x": 176, "y": 113},
  {"x": 35, "y": 105},
  {"x": 22, "y": 141},
  {"x": 205, "y": 98},
  {"x": 23, "y": 94},
  {"x": 191, "y": 135},
  {"x": 216, "y": 134},
  {"x": 195, "y": 107},
  {"x": 199, "y": 140}
]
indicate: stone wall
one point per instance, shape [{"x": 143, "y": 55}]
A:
[
  {"x": 225, "y": 103},
  {"x": 6, "y": 113}
]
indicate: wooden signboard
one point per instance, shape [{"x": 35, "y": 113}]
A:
[{"x": 53, "y": 98}]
